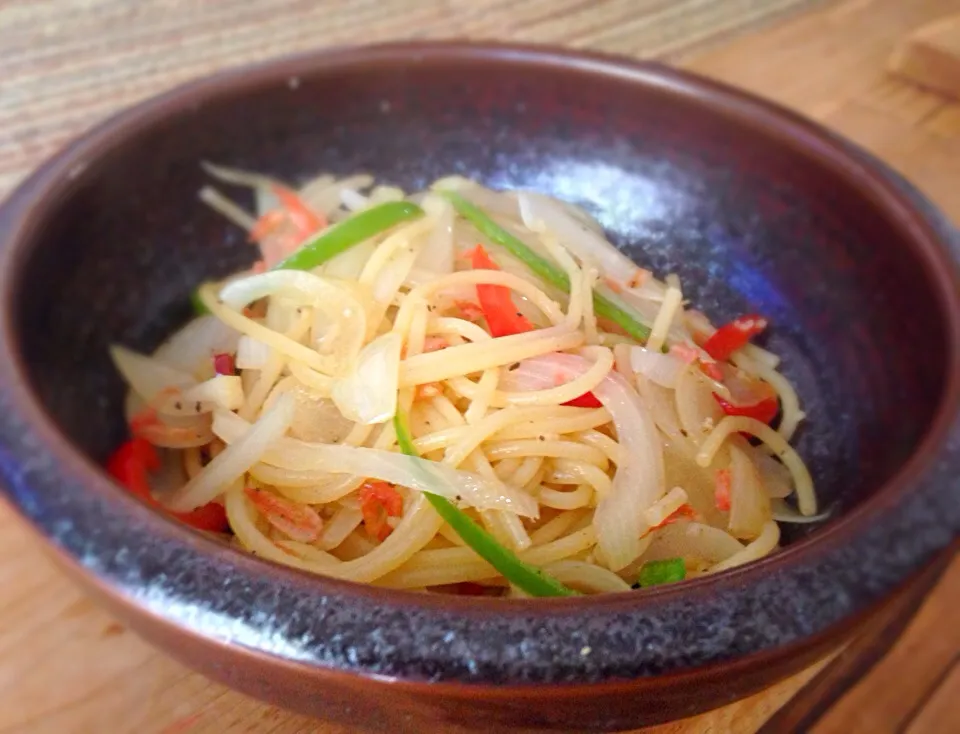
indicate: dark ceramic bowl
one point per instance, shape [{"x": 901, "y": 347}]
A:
[{"x": 756, "y": 208}]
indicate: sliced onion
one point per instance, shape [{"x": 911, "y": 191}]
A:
[
  {"x": 349, "y": 264},
  {"x": 252, "y": 354},
  {"x": 266, "y": 201},
  {"x": 297, "y": 285},
  {"x": 147, "y": 376},
  {"x": 463, "y": 488},
  {"x": 692, "y": 540},
  {"x": 392, "y": 276},
  {"x": 344, "y": 521},
  {"x": 339, "y": 316},
  {"x": 662, "y": 369},
  {"x": 236, "y": 459},
  {"x": 452, "y": 183},
  {"x": 353, "y": 200},
  {"x": 437, "y": 253},
  {"x": 369, "y": 393},
  {"x": 227, "y": 208},
  {"x": 317, "y": 419},
  {"x": 697, "y": 409},
  {"x": 323, "y": 194},
  {"x": 221, "y": 391},
  {"x": 784, "y": 512},
  {"x": 191, "y": 348},
  {"x": 749, "y": 505},
  {"x": 239, "y": 177},
  {"x": 639, "y": 481},
  {"x": 586, "y": 577},
  {"x": 383, "y": 194},
  {"x": 497, "y": 203},
  {"x": 744, "y": 389},
  {"x": 581, "y": 215},
  {"x": 541, "y": 212},
  {"x": 757, "y": 549},
  {"x": 775, "y": 477},
  {"x": 282, "y": 312}
]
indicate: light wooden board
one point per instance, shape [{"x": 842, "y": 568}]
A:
[
  {"x": 930, "y": 57},
  {"x": 65, "y": 666}
]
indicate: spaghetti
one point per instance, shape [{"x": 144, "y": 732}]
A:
[{"x": 384, "y": 400}]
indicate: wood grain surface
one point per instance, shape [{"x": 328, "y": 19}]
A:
[{"x": 65, "y": 666}]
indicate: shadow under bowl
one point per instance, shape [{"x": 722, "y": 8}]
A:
[{"x": 756, "y": 209}]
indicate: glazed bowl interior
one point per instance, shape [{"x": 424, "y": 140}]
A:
[{"x": 749, "y": 220}]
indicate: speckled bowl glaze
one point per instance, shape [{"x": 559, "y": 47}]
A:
[{"x": 757, "y": 209}]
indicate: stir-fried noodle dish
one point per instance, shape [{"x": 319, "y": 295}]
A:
[{"x": 460, "y": 391}]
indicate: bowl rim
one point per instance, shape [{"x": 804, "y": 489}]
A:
[{"x": 25, "y": 209}]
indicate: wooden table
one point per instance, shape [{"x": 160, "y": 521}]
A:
[{"x": 65, "y": 666}]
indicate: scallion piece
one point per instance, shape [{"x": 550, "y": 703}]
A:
[
  {"x": 358, "y": 228},
  {"x": 528, "y": 578},
  {"x": 547, "y": 270},
  {"x": 334, "y": 240},
  {"x": 196, "y": 303},
  {"x": 667, "y": 571}
]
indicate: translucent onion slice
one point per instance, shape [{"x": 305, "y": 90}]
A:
[
  {"x": 543, "y": 213},
  {"x": 230, "y": 465},
  {"x": 774, "y": 476},
  {"x": 692, "y": 540},
  {"x": 295, "y": 284},
  {"x": 368, "y": 394},
  {"x": 148, "y": 376},
  {"x": 191, "y": 348},
  {"x": 749, "y": 505},
  {"x": 464, "y": 488},
  {"x": 338, "y": 313},
  {"x": 586, "y": 577},
  {"x": 697, "y": 409},
  {"x": 437, "y": 253},
  {"x": 252, "y": 354},
  {"x": 763, "y": 545},
  {"x": 221, "y": 391},
  {"x": 240, "y": 177},
  {"x": 784, "y": 512},
  {"x": 662, "y": 369}
]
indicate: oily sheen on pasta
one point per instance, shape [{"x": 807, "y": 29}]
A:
[{"x": 460, "y": 391}]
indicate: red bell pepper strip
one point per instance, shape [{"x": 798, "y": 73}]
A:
[
  {"x": 211, "y": 516},
  {"x": 748, "y": 397},
  {"x": 587, "y": 400},
  {"x": 733, "y": 336},
  {"x": 497, "y": 305},
  {"x": 130, "y": 464},
  {"x": 502, "y": 316},
  {"x": 764, "y": 410},
  {"x": 378, "y": 501}
]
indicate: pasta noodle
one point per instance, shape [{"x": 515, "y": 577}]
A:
[{"x": 556, "y": 395}]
